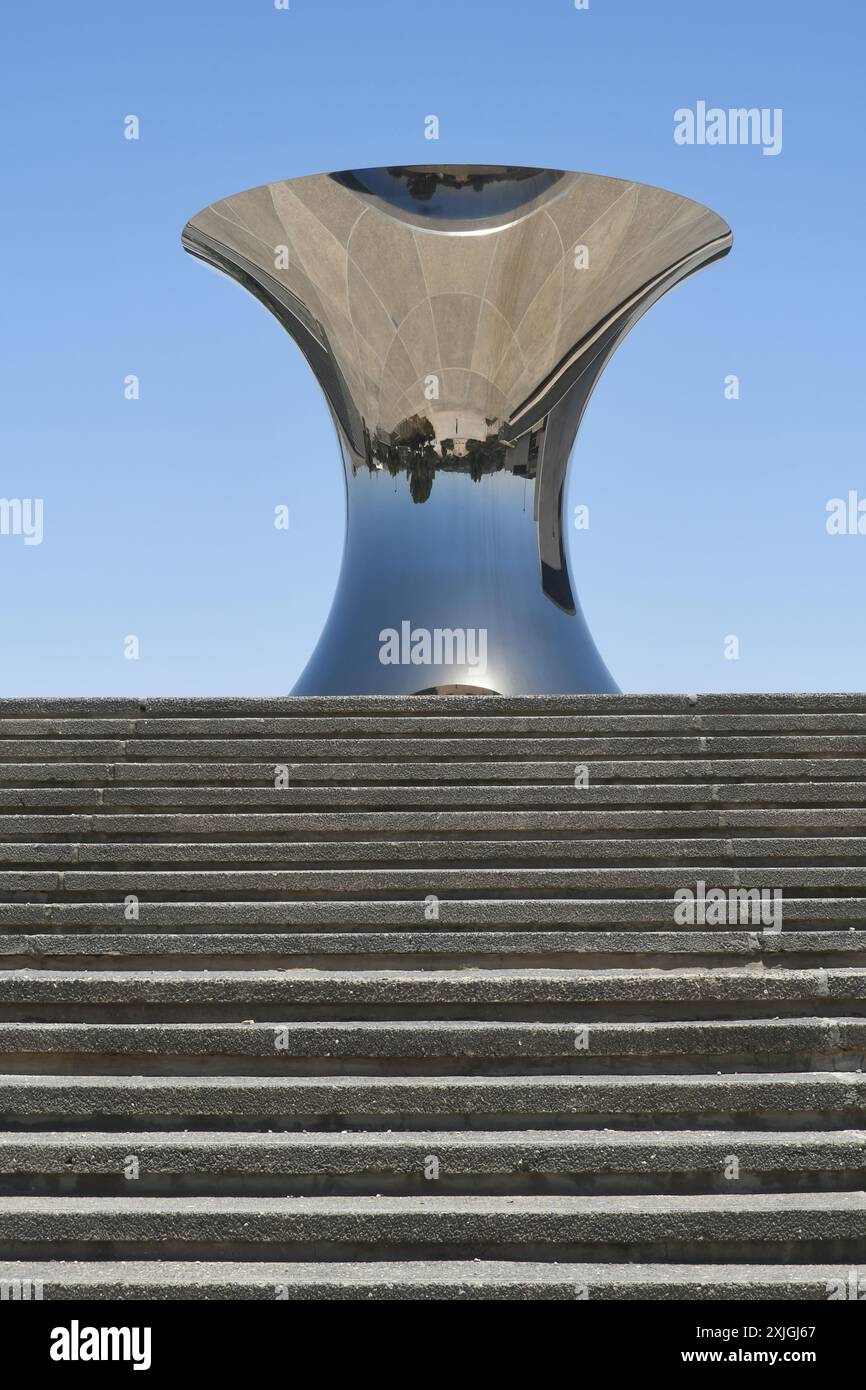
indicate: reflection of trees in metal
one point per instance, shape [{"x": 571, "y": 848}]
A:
[
  {"x": 457, "y": 319},
  {"x": 423, "y": 183},
  {"x": 413, "y": 450},
  {"x": 455, "y": 191}
]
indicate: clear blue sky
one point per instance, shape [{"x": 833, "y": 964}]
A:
[{"x": 707, "y": 515}]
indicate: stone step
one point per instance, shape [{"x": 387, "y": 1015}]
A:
[
  {"x": 515, "y": 994},
  {"x": 765, "y": 1226},
  {"x": 443, "y": 749},
  {"x": 287, "y": 826},
  {"x": 442, "y": 1280},
  {"x": 422, "y": 882},
  {"x": 137, "y": 949},
  {"x": 502, "y": 914},
  {"x": 461, "y": 1152},
  {"x": 467, "y": 1162},
  {"x": 417, "y": 774},
  {"x": 808, "y": 1100},
  {"x": 72, "y": 707},
  {"x": 591, "y": 850},
  {"x": 771, "y": 798},
  {"x": 753, "y": 982},
  {"x": 387, "y": 725},
  {"x": 429, "y": 1047}
]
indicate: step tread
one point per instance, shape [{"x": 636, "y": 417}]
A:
[
  {"x": 431, "y": 1037},
  {"x": 547, "y": 797},
  {"x": 82, "y": 705},
  {"x": 429, "y": 878},
  {"x": 404, "y": 1095},
  {"x": 384, "y": 723},
  {"x": 438, "y": 1279},
  {"x": 589, "y": 852},
  {"x": 328, "y": 775},
  {"x": 570, "y": 1145},
  {"x": 542, "y": 983},
  {"x": 132, "y": 939},
  {"x": 441, "y": 747},
  {"x": 495, "y": 913},
  {"x": 795, "y": 1203}
]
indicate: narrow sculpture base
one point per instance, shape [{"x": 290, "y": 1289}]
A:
[{"x": 464, "y": 563}]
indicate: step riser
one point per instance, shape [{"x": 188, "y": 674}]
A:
[
  {"x": 107, "y": 798},
  {"x": 517, "y": 1184},
  {"x": 351, "y": 884},
  {"x": 342, "y": 706},
  {"x": 558, "y": 774},
  {"x": 418, "y": 749},
  {"x": 280, "y": 991},
  {"x": 101, "y": 834},
  {"x": 429, "y": 725},
  {"x": 557, "y": 914},
  {"x": 734, "y": 945},
  {"x": 471, "y": 1044},
  {"x": 215, "y": 1064},
  {"x": 709, "y": 854},
  {"x": 123, "y": 957},
  {"x": 575, "y": 1014},
  {"x": 104, "y": 1119},
  {"x": 843, "y": 1251}
]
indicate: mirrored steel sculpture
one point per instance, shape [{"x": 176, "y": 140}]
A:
[{"x": 457, "y": 319}]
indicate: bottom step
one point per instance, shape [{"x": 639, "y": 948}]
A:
[{"x": 473, "y": 1279}]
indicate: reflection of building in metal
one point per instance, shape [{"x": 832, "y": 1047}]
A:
[{"x": 457, "y": 320}]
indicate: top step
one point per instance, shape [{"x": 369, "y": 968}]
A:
[{"x": 243, "y": 706}]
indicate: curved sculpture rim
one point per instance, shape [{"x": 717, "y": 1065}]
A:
[{"x": 457, "y": 318}]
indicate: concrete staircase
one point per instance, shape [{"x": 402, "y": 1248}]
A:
[{"x": 421, "y": 1024}]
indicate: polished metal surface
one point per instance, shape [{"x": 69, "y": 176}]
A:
[{"x": 457, "y": 319}]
